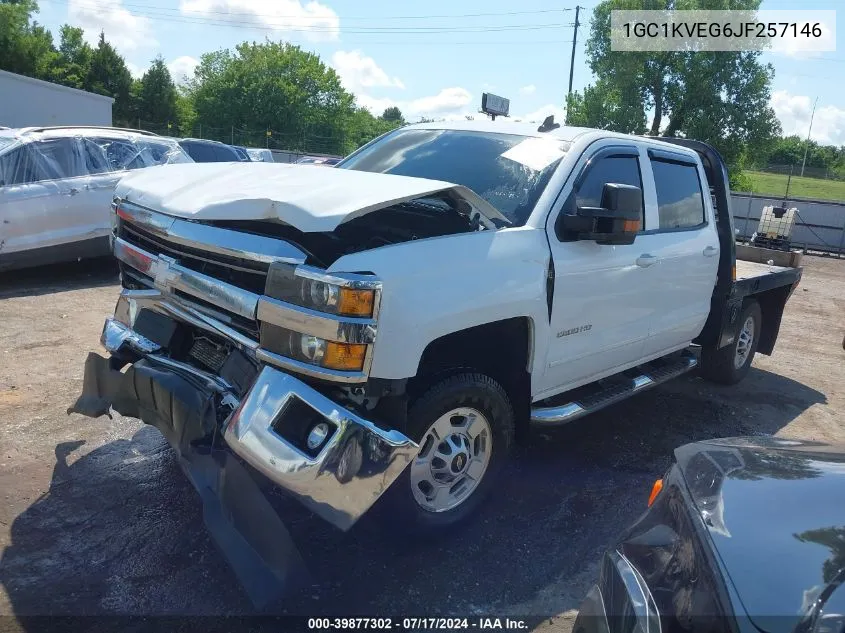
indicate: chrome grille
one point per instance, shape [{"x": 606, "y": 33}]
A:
[
  {"x": 213, "y": 279},
  {"x": 246, "y": 274}
]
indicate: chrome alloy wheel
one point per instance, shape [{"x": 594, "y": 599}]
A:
[
  {"x": 745, "y": 342},
  {"x": 454, "y": 455}
]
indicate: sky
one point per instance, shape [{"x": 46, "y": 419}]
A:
[{"x": 431, "y": 59}]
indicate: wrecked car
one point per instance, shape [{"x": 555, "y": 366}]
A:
[{"x": 378, "y": 334}]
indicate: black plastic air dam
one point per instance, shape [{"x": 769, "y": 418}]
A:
[{"x": 243, "y": 524}]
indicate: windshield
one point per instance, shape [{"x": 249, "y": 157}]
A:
[{"x": 508, "y": 170}]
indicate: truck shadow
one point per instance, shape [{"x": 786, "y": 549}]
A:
[
  {"x": 120, "y": 530},
  {"x": 42, "y": 280}
]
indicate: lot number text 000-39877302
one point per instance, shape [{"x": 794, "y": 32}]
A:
[{"x": 417, "y": 624}]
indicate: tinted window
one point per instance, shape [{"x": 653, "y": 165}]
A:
[
  {"x": 61, "y": 157},
  {"x": 121, "y": 154},
  {"x": 23, "y": 165},
  {"x": 680, "y": 203},
  {"x": 226, "y": 154},
  {"x": 95, "y": 157},
  {"x": 200, "y": 152},
  {"x": 472, "y": 159},
  {"x": 623, "y": 170}
]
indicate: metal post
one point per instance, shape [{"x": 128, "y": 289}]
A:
[
  {"x": 807, "y": 145},
  {"x": 200, "y": 136},
  {"x": 747, "y": 215},
  {"x": 572, "y": 58},
  {"x": 788, "y": 181},
  {"x": 233, "y": 135}
]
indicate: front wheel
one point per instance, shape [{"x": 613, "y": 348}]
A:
[
  {"x": 464, "y": 425},
  {"x": 731, "y": 363}
]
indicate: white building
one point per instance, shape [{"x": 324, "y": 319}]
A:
[{"x": 26, "y": 102}]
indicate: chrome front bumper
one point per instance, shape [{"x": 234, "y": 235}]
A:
[
  {"x": 339, "y": 482},
  {"x": 351, "y": 471}
]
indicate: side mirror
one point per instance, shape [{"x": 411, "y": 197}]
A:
[{"x": 616, "y": 221}]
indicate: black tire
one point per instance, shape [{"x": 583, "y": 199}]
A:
[
  {"x": 480, "y": 392},
  {"x": 717, "y": 365}
]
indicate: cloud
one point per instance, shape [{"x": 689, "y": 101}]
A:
[
  {"x": 447, "y": 101},
  {"x": 182, "y": 68},
  {"x": 358, "y": 72},
  {"x": 126, "y": 31},
  {"x": 530, "y": 89},
  {"x": 542, "y": 112},
  {"x": 794, "y": 112},
  {"x": 315, "y": 21},
  {"x": 136, "y": 71},
  {"x": 803, "y": 47},
  {"x": 449, "y": 104}
]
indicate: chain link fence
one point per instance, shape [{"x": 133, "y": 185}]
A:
[
  {"x": 299, "y": 143},
  {"x": 824, "y": 173}
]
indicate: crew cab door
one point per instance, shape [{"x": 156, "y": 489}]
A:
[
  {"x": 686, "y": 243},
  {"x": 604, "y": 296}
]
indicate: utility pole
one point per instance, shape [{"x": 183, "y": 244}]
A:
[
  {"x": 807, "y": 146},
  {"x": 572, "y": 58}
]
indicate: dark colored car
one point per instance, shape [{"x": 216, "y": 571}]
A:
[
  {"x": 206, "y": 151},
  {"x": 741, "y": 534},
  {"x": 325, "y": 161}
]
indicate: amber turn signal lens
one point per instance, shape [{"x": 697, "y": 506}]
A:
[
  {"x": 356, "y": 302},
  {"x": 631, "y": 226},
  {"x": 655, "y": 490},
  {"x": 344, "y": 356}
]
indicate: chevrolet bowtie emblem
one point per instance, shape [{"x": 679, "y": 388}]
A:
[{"x": 163, "y": 275}]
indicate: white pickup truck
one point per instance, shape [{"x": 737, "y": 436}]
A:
[{"x": 383, "y": 331}]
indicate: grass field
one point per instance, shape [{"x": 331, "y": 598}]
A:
[{"x": 775, "y": 185}]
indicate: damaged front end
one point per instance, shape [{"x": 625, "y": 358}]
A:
[{"x": 201, "y": 348}]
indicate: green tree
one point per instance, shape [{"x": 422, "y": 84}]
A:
[
  {"x": 186, "y": 115},
  {"x": 75, "y": 55},
  {"x": 274, "y": 86},
  {"x": 157, "y": 96},
  {"x": 718, "y": 97},
  {"x": 606, "y": 107},
  {"x": 26, "y": 47},
  {"x": 108, "y": 75},
  {"x": 393, "y": 114}
]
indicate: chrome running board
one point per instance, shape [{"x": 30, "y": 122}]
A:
[{"x": 651, "y": 375}]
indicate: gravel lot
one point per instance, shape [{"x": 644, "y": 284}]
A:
[{"x": 96, "y": 517}]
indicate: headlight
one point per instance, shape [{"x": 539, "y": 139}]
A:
[
  {"x": 312, "y": 349},
  {"x": 285, "y": 284}
]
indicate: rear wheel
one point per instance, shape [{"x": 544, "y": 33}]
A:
[
  {"x": 464, "y": 425},
  {"x": 731, "y": 363}
]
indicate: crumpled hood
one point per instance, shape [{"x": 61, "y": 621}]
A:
[{"x": 311, "y": 199}]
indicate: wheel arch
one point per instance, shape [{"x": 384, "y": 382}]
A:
[{"x": 503, "y": 350}]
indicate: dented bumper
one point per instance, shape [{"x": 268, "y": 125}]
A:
[
  {"x": 213, "y": 430},
  {"x": 339, "y": 480}
]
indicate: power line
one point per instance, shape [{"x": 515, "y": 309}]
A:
[
  {"x": 393, "y": 17},
  {"x": 323, "y": 28}
]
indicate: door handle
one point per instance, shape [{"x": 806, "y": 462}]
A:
[
  {"x": 645, "y": 260},
  {"x": 710, "y": 251}
]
